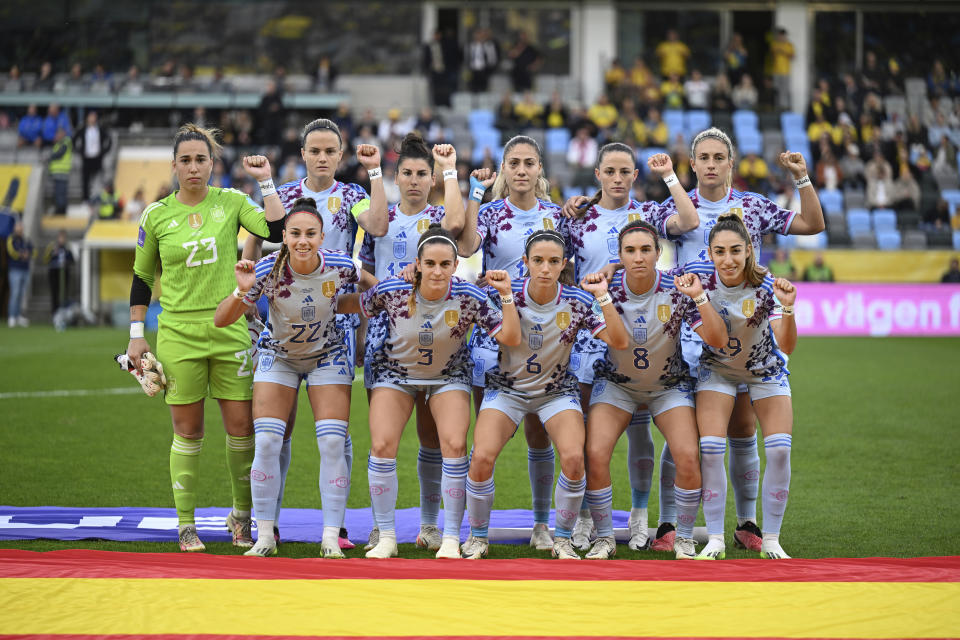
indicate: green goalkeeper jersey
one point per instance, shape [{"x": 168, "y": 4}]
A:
[{"x": 196, "y": 246}]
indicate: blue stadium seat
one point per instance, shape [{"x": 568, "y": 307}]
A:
[
  {"x": 956, "y": 240},
  {"x": 884, "y": 219},
  {"x": 786, "y": 242},
  {"x": 790, "y": 121},
  {"x": 674, "y": 121},
  {"x": 888, "y": 240},
  {"x": 831, "y": 200},
  {"x": 952, "y": 197},
  {"x": 644, "y": 154},
  {"x": 695, "y": 121},
  {"x": 745, "y": 119},
  {"x": 569, "y": 192},
  {"x": 480, "y": 119},
  {"x": 558, "y": 140},
  {"x": 749, "y": 142},
  {"x": 858, "y": 221}
]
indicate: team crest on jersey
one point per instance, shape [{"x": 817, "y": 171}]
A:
[
  {"x": 633, "y": 217},
  {"x": 426, "y": 338},
  {"x": 195, "y": 220},
  {"x": 548, "y": 224},
  {"x": 422, "y": 225},
  {"x": 748, "y": 307},
  {"x": 333, "y": 203},
  {"x": 308, "y": 313},
  {"x": 563, "y": 320},
  {"x": 535, "y": 340},
  {"x": 663, "y": 312},
  {"x": 640, "y": 334},
  {"x": 451, "y": 317},
  {"x": 612, "y": 246},
  {"x": 737, "y": 211},
  {"x": 217, "y": 213},
  {"x": 328, "y": 288},
  {"x": 399, "y": 249}
]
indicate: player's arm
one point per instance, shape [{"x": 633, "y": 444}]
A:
[
  {"x": 614, "y": 334},
  {"x": 711, "y": 327},
  {"x": 469, "y": 240},
  {"x": 144, "y": 269},
  {"x": 258, "y": 168},
  {"x": 375, "y": 220},
  {"x": 234, "y": 305},
  {"x": 686, "y": 218},
  {"x": 785, "y": 328},
  {"x": 366, "y": 280},
  {"x": 445, "y": 160},
  {"x": 809, "y": 220},
  {"x": 510, "y": 334}
]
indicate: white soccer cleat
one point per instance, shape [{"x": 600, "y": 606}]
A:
[
  {"x": 639, "y": 533},
  {"x": 449, "y": 548},
  {"x": 685, "y": 549},
  {"x": 331, "y": 549},
  {"x": 770, "y": 547},
  {"x": 716, "y": 549},
  {"x": 189, "y": 540},
  {"x": 540, "y": 539},
  {"x": 266, "y": 546},
  {"x": 583, "y": 531},
  {"x": 603, "y": 549},
  {"x": 563, "y": 549},
  {"x": 373, "y": 539},
  {"x": 429, "y": 538},
  {"x": 476, "y": 548},
  {"x": 386, "y": 547}
]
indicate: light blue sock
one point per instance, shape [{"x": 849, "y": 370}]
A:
[
  {"x": 567, "y": 498},
  {"x": 640, "y": 452},
  {"x": 668, "y": 477},
  {"x": 286, "y": 455},
  {"x": 688, "y": 503},
  {"x": 382, "y": 478},
  {"x": 334, "y": 475},
  {"x": 429, "y": 472},
  {"x": 712, "y": 450},
  {"x": 776, "y": 480},
  {"x": 540, "y": 467},
  {"x": 479, "y": 503},
  {"x": 265, "y": 477},
  {"x": 453, "y": 486},
  {"x": 745, "y": 475}
]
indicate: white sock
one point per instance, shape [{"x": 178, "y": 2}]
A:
[
  {"x": 265, "y": 533},
  {"x": 382, "y": 478},
  {"x": 453, "y": 484},
  {"x": 600, "y": 502},
  {"x": 712, "y": 450},
  {"x": 348, "y": 454},
  {"x": 286, "y": 455},
  {"x": 479, "y": 503},
  {"x": 640, "y": 453},
  {"x": 540, "y": 467},
  {"x": 668, "y": 480},
  {"x": 745, "y": 476},
  {"x": 429, "y": 472},
  {"x": 334, "y": 475},
  {"x": 265, "y": 471},
  {"x": 567, "y": 498},
  {"x": 776, "y": 480},
  {"x": 688, "y": 503}
]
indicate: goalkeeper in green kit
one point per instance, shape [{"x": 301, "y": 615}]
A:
[{"x": 192, "y": 235}]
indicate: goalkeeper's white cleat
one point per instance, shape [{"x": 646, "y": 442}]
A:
[{"x": 152, "y": 380}]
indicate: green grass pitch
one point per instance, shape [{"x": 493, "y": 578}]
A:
[{"x": 875, "y": 455}]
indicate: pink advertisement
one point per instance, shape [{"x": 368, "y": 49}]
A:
[{"x": 846, "y": 309}]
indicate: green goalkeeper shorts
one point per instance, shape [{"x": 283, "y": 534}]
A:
[{"x": 201, "y": 360}]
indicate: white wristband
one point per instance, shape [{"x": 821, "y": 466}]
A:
[
  {"x": 605, "y": 299},
  {"x": 701, "y": 299},
  {"x": 136, "y": 329},
  {"x": 267, "y": 188},
  {"x": 449, "y": 174},
  {"x": 507, "y": 299},
  {"x": 375, "y": 173},
  {"x": 800, "y": 183},
  {"x": 240, "y": 295},
  {"x": 671, "y": 179},
  {"x": 786, "y": 310}
]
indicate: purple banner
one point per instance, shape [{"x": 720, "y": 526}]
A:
[{"x": 842, "y": 309}]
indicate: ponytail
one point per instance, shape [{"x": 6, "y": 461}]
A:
[
  {"x": 191, "y": 131},
  {"x": 273, "y": 278}
]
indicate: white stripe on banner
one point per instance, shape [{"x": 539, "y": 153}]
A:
[{"x": 65, "y": 393}]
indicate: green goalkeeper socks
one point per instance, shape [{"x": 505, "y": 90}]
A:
[
  {"x": 240, "y": 452},
  {"x": 184, "y": 471}
]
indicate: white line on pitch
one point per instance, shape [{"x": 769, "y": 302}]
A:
[{"x": 64, "y": 393}]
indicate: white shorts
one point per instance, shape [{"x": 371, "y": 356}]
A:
[
  {"x": 332, "y": 368},
  {"x": 516, "y": 407},
  {"x": 484, "y": 359},
  {"x": 759, "y": 387},
  {"x": 581, "y": 365},
  {"x": 428, "y": 390},
  {"x": 656, "y": 401}
]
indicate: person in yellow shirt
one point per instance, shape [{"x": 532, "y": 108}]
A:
[
  {"x": 819, "y": 127},
  {"x": 781, "y": 58},
  {"x": 657, "y": 132},
  {"x": 615, "y": 78},
  {"x": 528, "y": 112},
  {"x": 673, "y": 55},
  {"x": 672, "y": 91},
  {"x": 603, "y": 115},
  {"x": 754, "y": 171},
  {"x": 640, "y": 77}
]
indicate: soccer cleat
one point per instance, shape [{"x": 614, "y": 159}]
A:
[
  {"x": 770, "y": 548},
  {"x": 240, "y": 528},
  {"x": 373, "y": 539},
  {"x": 603, "y": 549},
  {"x": 563, "y": 549},
  {"x": 262, "y": 549},
  {"x": 540, "y": 539},
  {"x": 344, "y": 539},
  {"x": 429, "y": 537},
  {"x": 666, "y": 534},
  {"x": 386, "y": 547},
  {"x": 748, "y": 536},
  {"x": 583, "y": 531},
  {"x": 716, "y": 549},
  {"x": 189, "y": 540},
  {"x": 276, "y": 534},
  {"x": 685, "y": 549},
  {"x": 331, "y": 549},
  {"x": 476, "y": 548},
  {"x": 639, "y": 533},
  {"x": 449, "y": 548}
]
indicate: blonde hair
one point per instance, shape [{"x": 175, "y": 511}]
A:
[
  {"x": 731, "y": 222},
  {"x": 715, "y": 134},
  {"x": 541, "y": 189},
  {"x": 191, "y": 131}
]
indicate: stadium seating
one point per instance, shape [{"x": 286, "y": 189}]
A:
[
  {"x": 673, "y": 118},
  {"x": 914, "y": 239},
  {"x": 863, "y": 240},
  {"x": 858, "y": 221},
  {"x": 956, "y": 240},
  {"x": 952, "y": 198},
  {"x": 888, "y": 239},
  {"x": 480, "y": 119},
  {"x": 884, "y": 220},
  {"x": 831, "y": 200},
  {"x": 695, "y": 121},
  {"x": 570, "y": 192},
  {"x": 745, "y": 119},
  {"x": 854, "y": 198},
  {"x": 557, "y": 140}
]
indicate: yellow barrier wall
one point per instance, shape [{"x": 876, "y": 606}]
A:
[{"x": 853, "y": 265}]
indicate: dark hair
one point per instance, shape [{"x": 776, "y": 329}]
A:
[
  {"x": 191, "y": 131},
  {"x": 610, "y": 147},
  {"x": 304, "y": 205},
  {"x": 434, "y": 234},
  {"x": 732, "y": 222},
  {"x": 300, "y": 205},
  {"x": 549, "y": 235},
  {"x": 541, "y": 189},
  {"x": 318, "y": 125},
  {"x": 414, "y": 148},
  {"x": 639, "y": 225}
]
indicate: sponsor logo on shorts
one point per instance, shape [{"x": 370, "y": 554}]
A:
[
  {"x": 171, "y": 387},
  {"x": 490, "y": 394},
  {"x": 599, "y": 387},
  {"x": 266, "y": 362}
]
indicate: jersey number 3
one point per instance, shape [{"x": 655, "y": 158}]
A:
[{"x": 207, "y": 245}]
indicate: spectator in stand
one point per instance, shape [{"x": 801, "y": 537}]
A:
[
  {"x": 76, "y": 82},
  {"x": 92, "y": 142},
  {"x": 671, "y": 90},
  {"x": 818, "y": 271},
  {"x": 134, "y": 206},
  {"x": 14, "y": 83},
  {"x": 526, "y": 60},
  {"x": 829, "y": 175},
  {"x": 219, "y": 177},
  {"x": 868, "y": 130},
  {"x": 721, "y": 99},
  {"x": 657, "y": 132},
  {"x": 56, "y": 119},
  {"x": 108, "y": 205},
  {"x": 368, "y": 120},
  {"x": 819, "y": 106},
  {"x": 604, "y": 117},
  {"x": 852, "y": 94},
  {"x": 781, "y": 59},
  {"x": 952, "y": 275},
  {"x": 941, "y": 128},
  {"x": 939, "y": 82},
  {"x": 132, "y": 83},
  {"x": 755, "y": 173},
  {"x": 744, "y": 95},
  {"x": 818, "y": 128},
  {"x": 429, "y": 125},
  {"x": 780, "y": 265},
  {"x": 44, "y": 81},
  {"x": 631, "y": 129},
  {"x": 641, "y": 78},
  {"x": 28, "y": 131},
  {"x": 59, "y": 260},
  {"x": 873, "y": 106},
  {"x": 101, "y": 80},
  {"x": 906, "y": 189},
  {"x": 615, "y": 80},
  {"x": 872, "y": 76},
  {"x": 697, "y": 91},
  {"x": 673, "y": 55},
  {"x": 850, "y": 163},
  {"x": 19, "y": 253},
  {"x": 894, "y": 82},
  {"x": 392, "y": 129},
  {"x": 505, "y": 118},
  {"x": 945, "y": 164},
  {"x": 271, "y": 114},
  {"x": 343, "y": 118},
  {"x": 735, "y": 58},
  {"x": 483, "y": 58},
  {"x": 60, "y": 165},
  {"x": 916, "y": 132},
  {"x": 581, "y": 157},
  {"x": 219, "y": 83},
  {"x": 578, "y": 118},
  {"x": 366, "y": 135},
  {"x": 555, "y": 112},
  {"x": 879, "y": 181},
  {"x": 326, "y": 75},
  {"x": 441, "y": 62},
  {"x": 529, "y": 113}
]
